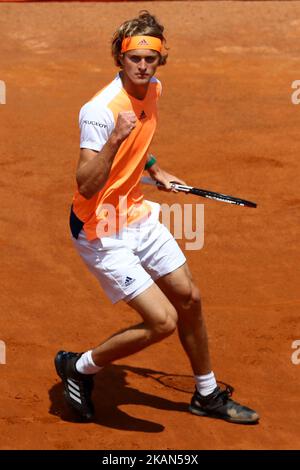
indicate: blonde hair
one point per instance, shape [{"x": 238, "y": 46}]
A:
[{"x": 145, "y": 24}]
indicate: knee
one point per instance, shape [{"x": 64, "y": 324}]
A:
[
  {"x": 189, "y": 298},
  {"x": 166, "y": 324}
]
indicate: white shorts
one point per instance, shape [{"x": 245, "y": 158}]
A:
[{"x": 129, "y": 262}]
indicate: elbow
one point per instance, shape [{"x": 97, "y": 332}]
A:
[
  {"x": 83, "y": 188},
  {"x": 88, "y": 192},
  {"x": 84, "y": 191},
  {"x": 88, "y": 189}
]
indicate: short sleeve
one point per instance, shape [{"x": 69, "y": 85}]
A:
[{"x": 96, "y": 125}]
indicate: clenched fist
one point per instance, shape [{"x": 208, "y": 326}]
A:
[{"x": 126, "y": 122}]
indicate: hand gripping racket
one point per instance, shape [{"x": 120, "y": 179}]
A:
[{"x": 202, "y": 193}]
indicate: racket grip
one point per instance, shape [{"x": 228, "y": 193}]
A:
[{"x": 148, "y": 180}]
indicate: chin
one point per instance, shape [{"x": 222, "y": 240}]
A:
[{"x": 141, "y": 81}]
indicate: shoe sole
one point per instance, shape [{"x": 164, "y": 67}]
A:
[
  {"x": 58, "y": 366},
  {"x": 197, "y": 412}
]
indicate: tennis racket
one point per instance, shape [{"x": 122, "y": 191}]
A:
[{"x": 202, "y": 192}]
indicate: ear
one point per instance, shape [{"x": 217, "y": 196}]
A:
[{"x": 121, "y": 58}]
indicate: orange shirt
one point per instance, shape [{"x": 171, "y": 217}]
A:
[{"x": 121, "y": 198}]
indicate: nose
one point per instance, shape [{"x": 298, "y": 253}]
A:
[{"x": 142, "y": 64}]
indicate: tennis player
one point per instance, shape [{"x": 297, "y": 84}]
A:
[{"x": 118, "y": 234}]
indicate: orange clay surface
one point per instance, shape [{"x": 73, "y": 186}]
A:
[{"x": 227, "y": 124}]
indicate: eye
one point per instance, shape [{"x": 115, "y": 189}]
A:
[
  {"x": 135, "y": 58},
  {"x": 150, "y": 59}
]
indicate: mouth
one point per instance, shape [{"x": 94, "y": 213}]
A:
[{"x": 142, "y": 75}]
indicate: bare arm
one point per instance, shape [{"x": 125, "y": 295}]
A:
[
  {"x": 162, "y": 176},
  {"x": 94, "y": 167}
]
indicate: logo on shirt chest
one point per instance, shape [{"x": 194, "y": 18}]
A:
[{"x": 142, "y": 115}]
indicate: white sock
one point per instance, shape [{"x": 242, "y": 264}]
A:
[
  {"x": 205, "y": 383},
  {"x": 86, "y": 365}
]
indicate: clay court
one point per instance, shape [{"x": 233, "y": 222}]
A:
[{"x": 227, "y": 123}]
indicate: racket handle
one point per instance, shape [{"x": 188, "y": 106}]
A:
[
  {"x": 148, "y": 180},
  {"x": 179, "y": 187}
]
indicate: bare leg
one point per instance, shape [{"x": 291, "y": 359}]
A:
[
  {"x": 159, "y": 321},
  {"x": 184, "y": 295}
]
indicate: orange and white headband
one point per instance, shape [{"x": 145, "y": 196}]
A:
[{"x": 141, "y": 42}]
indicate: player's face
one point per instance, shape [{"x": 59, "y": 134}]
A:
[{"x": 140, "y": 65}]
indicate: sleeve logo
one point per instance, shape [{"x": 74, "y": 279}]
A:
[{"x": 95, "y": 123}]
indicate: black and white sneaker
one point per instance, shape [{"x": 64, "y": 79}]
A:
[
  {"x": 219, "y": 405},
  {"x": 77, "y": 387}
]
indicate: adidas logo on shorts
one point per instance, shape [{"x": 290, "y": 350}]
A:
[{"x": 128, "y": 281}]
